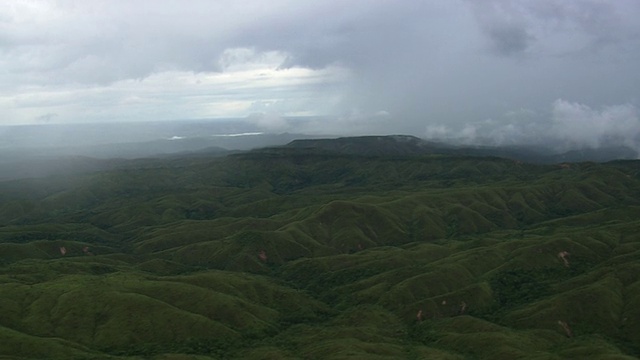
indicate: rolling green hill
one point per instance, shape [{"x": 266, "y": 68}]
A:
[{"x": 304, "y": 253}]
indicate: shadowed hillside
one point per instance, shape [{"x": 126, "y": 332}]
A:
[{"x": 309, "y": 253}]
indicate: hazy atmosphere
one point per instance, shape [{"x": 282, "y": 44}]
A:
[
  {"x": 552, "y": 72},
  {"x": 320, "y": 179}
]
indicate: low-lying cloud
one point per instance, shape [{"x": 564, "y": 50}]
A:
[
  {"x": 579, "y": 125},
  {"x": 566, "y": 126}
]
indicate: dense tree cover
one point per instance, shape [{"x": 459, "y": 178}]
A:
[{"x": 302, "y": 254}]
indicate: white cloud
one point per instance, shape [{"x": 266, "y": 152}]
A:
[
  {"x": 246, "y": 77},
  {"x": 270, "y": 122},
  {"x": 438, "y": 132},
  {"x": 245, "y": 59},
  {"x": 582, "y": 126},
  {"x": 569, "y": 125}
]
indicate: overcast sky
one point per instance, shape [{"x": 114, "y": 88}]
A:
[{"x": 493, "y": 71}]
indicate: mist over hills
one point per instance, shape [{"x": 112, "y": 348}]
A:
[
  {"x": 141, "y": 139},
  {"x": 137, "y": 139},
  {"x": 40, "y": 150}
]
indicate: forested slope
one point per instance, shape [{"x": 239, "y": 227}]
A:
[{"x": 299, "y": 253}]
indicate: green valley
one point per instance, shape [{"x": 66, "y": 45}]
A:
[{"x": 309, "y": 253}]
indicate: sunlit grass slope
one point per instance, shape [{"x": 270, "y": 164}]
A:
[{"x": 303, "y": 254}]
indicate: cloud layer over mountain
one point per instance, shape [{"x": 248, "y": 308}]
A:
[{"x": 489, "y": 71}]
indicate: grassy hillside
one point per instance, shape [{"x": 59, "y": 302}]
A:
[{"x": 295, "y": 253}]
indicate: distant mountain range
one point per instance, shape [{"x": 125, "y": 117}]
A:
[
  {"x": 37, "y": 161},
  {"x": 403, "y": 145}
]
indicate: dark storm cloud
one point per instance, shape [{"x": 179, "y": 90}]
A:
[
  {"x": 355, "y": 33},
  {"x": 505, "y": 26},
  {"x": 46, "y": 118},
  {"x": 601, "y": 22},
  {"x": 564, "y": 26},
  {"x": 509, "y": 39}
]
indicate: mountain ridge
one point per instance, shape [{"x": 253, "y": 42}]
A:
[{"x": 411, "y": 145}]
